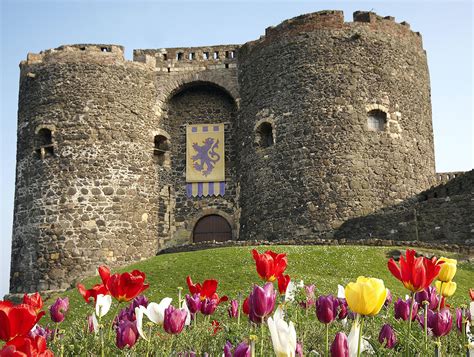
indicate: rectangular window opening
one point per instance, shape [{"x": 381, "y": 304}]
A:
[
  {"x": 165, "y": 56},
  {"x": 216, "y": 55},
  {"x": 192, "y": 56},
  {"x": 179, "y": 56},
  {"x": 205, "y": 55}
]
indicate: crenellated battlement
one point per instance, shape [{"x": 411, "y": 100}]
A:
[
  {"x": 101, "y": 53},
  {"x": 188, "y": 58},
  {"x": 334, "y": 20}
]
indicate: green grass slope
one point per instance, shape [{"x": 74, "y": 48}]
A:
[{"x": 234, "y": 268}]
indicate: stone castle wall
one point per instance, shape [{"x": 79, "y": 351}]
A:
[{"x": 100, "y": 193}]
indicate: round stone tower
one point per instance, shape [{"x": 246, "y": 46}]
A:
[
  {"x": 335, "y": 123},
  {"x": 86, "y": 181}
]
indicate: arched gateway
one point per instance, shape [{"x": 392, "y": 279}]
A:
[{"x": 212, "y": 228}]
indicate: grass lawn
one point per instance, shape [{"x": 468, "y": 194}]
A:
[{"x": 234, "y": 268}]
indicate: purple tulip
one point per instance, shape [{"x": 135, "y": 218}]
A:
[
  {"x": 233, "y": 309},
  {"x": 140, "y": 300},
  {"x": 429, "y": 295},
  {"x": 174, "y": 320},
  {"x": 402, "y": 309},
  {"x": 440, "y": 322},
  {"x": 387, "y": 336},
  {"x": 343, "y": 309},
  {"x": 327, "y": 309},
  {"x": 208, "y": 306},
  {"x": 193, "y": 302},
  {"x": 242, "y": 350},
  {"x": 261, "y": 302},
  {"x": 340, "y": 346},
  {"x": 228, "y": 349},
  {"x": 388, "y": 299},
  {"x": 42, "y": 331},
  {"x": 127, "y": 334},
  {"x": 460, "y": 314},
  {"x": 58, "y": 310}
]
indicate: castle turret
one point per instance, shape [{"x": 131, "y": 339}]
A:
[
  {"x": 85, "y": 187},
  {"x": 335, "y": 123}
]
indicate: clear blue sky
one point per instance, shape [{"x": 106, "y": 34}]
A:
[{"x": 32, "y": 26}]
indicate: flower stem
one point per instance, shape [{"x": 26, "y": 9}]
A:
[
  {"x": 101, "y": 333},
  {"x": 426, "y": 325},
  {"x": 148, "y": 342},
  {"x": 360, "y": 333},
  {"x": 327, "y": 340},
  {"x": 407, "y": 344},
  {"x": 440, "y": 296},
  {"x": 262, "y": 339}
]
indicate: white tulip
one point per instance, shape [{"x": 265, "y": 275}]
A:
[
  {"x": 353, "y": 341},
  {"x": 283, "y": 336},
  {"x": 102, "y": 305},
  {"x": 155, "y": 312},
  {"x": 95, "y": 323},
  {"x": 341, "y": 294},
  {"x": 291, "y": 290}
]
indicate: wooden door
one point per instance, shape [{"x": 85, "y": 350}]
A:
[{"x": 212, "y": 228}]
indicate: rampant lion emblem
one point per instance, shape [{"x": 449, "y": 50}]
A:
[{"x": 206, "y": 156}]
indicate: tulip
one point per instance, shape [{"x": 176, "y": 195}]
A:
[
  {"x": 242, "y": 350},
  {"x": 471, "y": 294},
  {"x": 261, "y": 302},
  {"x": 270, "y": 265},
  {"x": 193, "y": 303},
  {"x": 343, "y": 310},
  {"x": 102, "y": 305},
  {"x": 228, "y": 349},
  {"x": 415, "y": 273},
  {"x": 26, "y": 346},
  {"x": 446, "y": 289},
  {"x": 98, "y": 289},
  {"x": 283, "y": 337},
  {"x": 309, "y": 292},
  {"x": 206, "y": 290},
  {"x": 340, "y": 346},
  {"x": 92, "y": 323},
  {"x": 155, "y": 312},
  {"x": 208, "y": 306},
  {"x": 16, "y": 320},
  {"x": 34, "y": 300},
  {"x": 387, "y": 336},
  {"x": 366, "y": 296},
  {"x": 299, "y": 350},
  {"x": 292, "y": 289},
  {"x": 327, "y": 308},
  {"x": 246, "y": 306},
  {"x": 41, "y": 331},
  {"x": 448, "y": 269},
  {"x": 127, "y": 334},
  {"x": 463, "y": 317},
  {"x": 174, "y": 320},
  {"x": 233, "y": 309},
  {"x": 283, "y": 281},
  {"x": 428, "y": 296},
  {"x": 440, "y": 322},
  {"x": 388, "y": 299},
  {"x": 59, "y": 309},
  {"x": 126, "y": 286},
  {"x": 402, "y": 309}
]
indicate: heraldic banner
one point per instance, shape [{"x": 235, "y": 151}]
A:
[{"x": 205, "y": 169}]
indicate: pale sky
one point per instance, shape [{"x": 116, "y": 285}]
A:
[{"x": 33, "y": 26}]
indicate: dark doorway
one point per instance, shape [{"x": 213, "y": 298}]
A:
[{"x": 212, "y": 228}]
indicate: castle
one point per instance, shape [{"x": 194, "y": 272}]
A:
[{"x": 328, "y": 133}]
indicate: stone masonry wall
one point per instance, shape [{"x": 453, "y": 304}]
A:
[{"x": 326, "y": 166}]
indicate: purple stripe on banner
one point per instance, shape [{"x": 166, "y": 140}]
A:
[
  {"x": 211, "y": 188},
  {"x": 194, "y": 129},
  {"x": 205, "y": 129},
  {"x": 222, "y": 188},
  {"x": 189, "y": 189},
  {"x": 216, "y": 127},
  {"x": 200, "y": 189}
]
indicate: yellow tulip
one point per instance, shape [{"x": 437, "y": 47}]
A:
[
  {"x": 448, "y": 269},
  {"x": 366, "y": 296},
  {"x": 446, "y": 289}
]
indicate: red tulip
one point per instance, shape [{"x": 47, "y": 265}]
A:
[
  {"x": 34, "y": 300},
  {"x": 26, "y": 347},
  {"x": 216, "y": 327},
  {"x": 206, "y": 290},
  {"x": 283, "y": 281},
  {"x": 104, "y": 273},
  {"x": 471, "y": 294},
  {"x": 415, "y": 273},
  {"x": 98, "y": 289},
  {"x": 17, "y": 320},
  {"x": 270, "y": 265},
  {"x": 126, "y": 286},
  {"x": 246, "y": 306}
]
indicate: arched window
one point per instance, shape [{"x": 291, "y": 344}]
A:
[
  {"x": 265, "y": 135},
  {"x": 161, "y": 149},
  {"x": 376, "y": 120},
  {"x": 44, "y": 143}
]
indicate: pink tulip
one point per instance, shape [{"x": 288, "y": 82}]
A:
[
  {"x": 440, "y": 323},
  {"x": 340, "y": 346},
  {"x": 127, "y": 334},
  {"x": 174, "y": 320},
  {"x": 233, "y": 309},
  {"x": 261, "y": 302},
  {"x": 58, "y": 310},
  {"x": 193, "y": 303}
]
